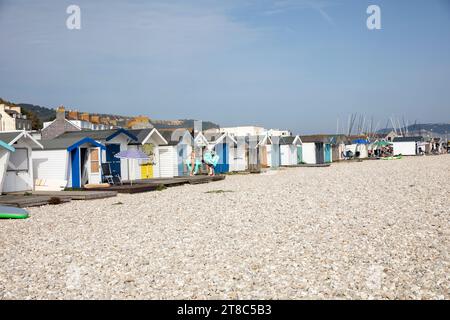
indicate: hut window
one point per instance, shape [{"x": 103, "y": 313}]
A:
[
  {"x": 94, "y": 161},
  {"x": 18, "y": 160}
]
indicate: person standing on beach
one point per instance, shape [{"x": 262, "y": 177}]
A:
[
  {"x": 211, "y": 159},
  {"x": 191, "y": 163}
]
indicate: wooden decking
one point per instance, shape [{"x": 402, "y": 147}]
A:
[
  {"x": 180, "y": 180},
  {"x": 22, "y": 201},
  {"x": 40, "y": 198},
  {"x": 128, "y": 188},
  {"x": 306, "y": 165},
  {"x": 73, "y": 195},
  {"x": 143, "y": 185}
]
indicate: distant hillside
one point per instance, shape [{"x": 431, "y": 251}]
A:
[
  {"x": 40, "y": 114},
  {"x": 36, "y": 122},
  {"x": 43, "y": 113},
  {"x": 184, "y": 123},
  {"x": 424, "y": 129}
]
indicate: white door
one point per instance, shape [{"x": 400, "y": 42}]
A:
[
  {"x": 94, "y": 166},
  {"x": 293, "y": 154},
  {"x": 165, "y": 163},
  {"x": 269, "y": 155},
  {"x": 18, "y": 171},
  {"x": 240, "y": 158},
  {"x": 284, "y": 150}
]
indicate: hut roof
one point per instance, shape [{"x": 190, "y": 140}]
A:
[
  {"x": 408, "y": 139},
  {"x": 10, "y": 137}
]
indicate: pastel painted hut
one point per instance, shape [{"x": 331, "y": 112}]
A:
[
  {"x": 289, "y": 150},
  {"x": 337, "y": 147},
  {"x": 224, "y": 145},
  {"x": 270, "y": 151},
  {"x": 359, "y": 146},
  {"x": 247, "y": 154},
  {"x": 239, "y": 154},
  {"x": 316, "y": 149}
]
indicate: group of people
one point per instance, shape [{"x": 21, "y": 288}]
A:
[
  {"x": 208, "y": 157},
  {"x": 387, "y": 151}
]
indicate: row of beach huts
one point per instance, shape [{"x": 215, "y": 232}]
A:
[{"x": 74, "y": 158}]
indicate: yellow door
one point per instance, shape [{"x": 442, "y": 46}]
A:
[
  {"x": 147, "y": 167},
  {"x": 146, "y": 171}
]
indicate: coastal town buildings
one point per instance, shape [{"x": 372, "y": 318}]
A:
[{"x": 12, "y": 118}]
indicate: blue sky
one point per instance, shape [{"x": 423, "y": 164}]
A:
[{"x": 295, "y": 64}]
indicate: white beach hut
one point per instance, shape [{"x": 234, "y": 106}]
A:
[
  {"x": 247, "y": 154},
  {"x": 316, "y": 149},
  {"x": 224, "y": 145},
  {"x": 359, "y": 147},
  {"x": 5, "y": 151},
  {"x": 179, "y": 145},
  {"x": 17, "y": 166},
  {"x": 114, "y": 140},
  {"x": 269, "y": 147},
  {"x": 406, "y": 146},
  {"x": 67, "y": 162},
  {"x": 238, "y": 154},
  {"x": 151, "y": 142},
  {"x": 288, "y": 150}
]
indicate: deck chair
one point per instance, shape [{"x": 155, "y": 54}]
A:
[
  {"x": 109, "y": 176},
  {"x": 348, "y": 155}
]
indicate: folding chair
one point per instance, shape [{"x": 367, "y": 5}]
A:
[{"x": 109, "y": 176}]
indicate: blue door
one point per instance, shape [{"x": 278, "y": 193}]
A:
[
  {"x": 276, "y": 155},
  {"x": 327, "y": 153},
  {"x": 114, "y": 163},
  {"x": 182, "y": 155},
  {"x": 299, "y": 155},
  {"x": 223, "y": 165},
  {"x": 75, "y": 163}
]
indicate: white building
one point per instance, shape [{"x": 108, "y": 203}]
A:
[
  {"x": 11, "y": 119},
  {"x": 243, "y": 131},
  {"x": 82, "y": 125},
  {"x": 278, "y": 133}
]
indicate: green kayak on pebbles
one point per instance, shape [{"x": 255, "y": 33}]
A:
[{"x": 13, "y": 213}]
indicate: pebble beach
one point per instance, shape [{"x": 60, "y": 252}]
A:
[{"x": 355, "y": 230}]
